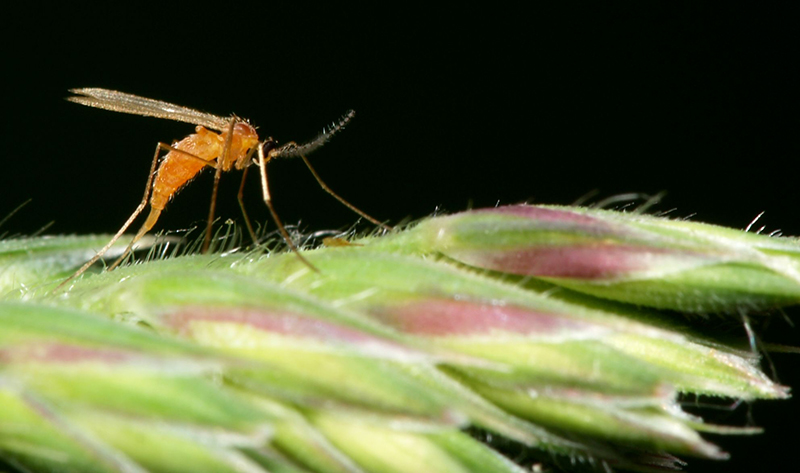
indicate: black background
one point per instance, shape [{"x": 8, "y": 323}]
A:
[{"x": 469, "y": 106}]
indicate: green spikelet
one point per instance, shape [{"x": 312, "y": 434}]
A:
[{"x": 392, "y": 354}]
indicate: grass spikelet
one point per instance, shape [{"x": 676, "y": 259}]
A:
[{"x": 390, "y": 356}]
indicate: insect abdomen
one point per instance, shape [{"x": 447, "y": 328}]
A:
[{"x": 177, "y": 168}]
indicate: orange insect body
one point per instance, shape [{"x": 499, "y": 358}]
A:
[
  {"x": 177, "y": 168},
  {"x": 190, "y": 155}
]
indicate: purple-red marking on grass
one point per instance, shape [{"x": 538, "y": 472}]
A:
[
  {"x": 62, "y": 353},
  {"x": 453, "y": 318},
  {"x": 593, "y": 261}
]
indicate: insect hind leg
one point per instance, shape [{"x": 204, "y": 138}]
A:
[
  {"x": 155, "y": 213},
  {"x": 147, "y": 191}
]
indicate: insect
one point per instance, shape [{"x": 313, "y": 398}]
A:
[{"x": 220, "y": 143}]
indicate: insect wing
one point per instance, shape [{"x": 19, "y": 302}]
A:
[{"x": 136, "y": 105}]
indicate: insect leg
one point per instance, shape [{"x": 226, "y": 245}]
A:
[
  {"x": 338, "y": 197},
  {"x": 212, "y": 207},
  {"x": 152, "y": 218},
  {"x": 139, "y": 208},
  {"x": 262, "y": 163},
  {"x": 240, "y": 198}
]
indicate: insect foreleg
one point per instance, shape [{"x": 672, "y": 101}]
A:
[{"x": 340, "y": 198}]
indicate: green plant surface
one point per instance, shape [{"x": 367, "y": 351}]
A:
[{"x": 554, "y": 328}]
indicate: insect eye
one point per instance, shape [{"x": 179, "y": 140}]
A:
[{"x": 269, "y": 145}]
